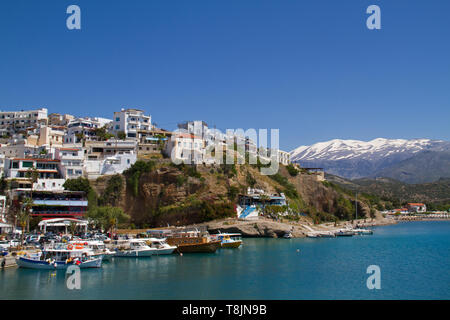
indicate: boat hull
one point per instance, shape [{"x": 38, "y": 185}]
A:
[
  {"x": 230, "y": 245},
  {"x": 134, "y": 253},
  {"x": 208, "y": 247},
  {"x": 43, "y": 265},
  {"x": 165, "y": 251}
]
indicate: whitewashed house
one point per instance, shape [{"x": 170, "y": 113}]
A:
[{"x": 130, "y": 122}]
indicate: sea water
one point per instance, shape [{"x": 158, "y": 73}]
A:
[{"x": 413, "y": 258}]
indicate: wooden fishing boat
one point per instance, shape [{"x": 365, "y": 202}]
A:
[{"x": 193, "y": 241}]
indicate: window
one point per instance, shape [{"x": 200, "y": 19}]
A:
[
  {"x": 27, "y": 164},
  {"x": 117, "y": 119}
]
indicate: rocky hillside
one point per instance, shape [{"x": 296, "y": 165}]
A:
[{"x": 160, "y": 193}]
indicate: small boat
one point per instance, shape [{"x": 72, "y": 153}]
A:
[
  {"x": 344, "y": 233},
  {"x": 160, "y": 245},
  {"x": 59, "y": 257},
  {"x": 326, "y": 234},
  {"x": 228, "y": 240},
  {"x": 363, "y": 231},
  {"x": 133, "y": 248},
  {"x": 287, "y": 235}
]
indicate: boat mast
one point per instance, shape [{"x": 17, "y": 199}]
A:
[{"x": 356, "y": 205}]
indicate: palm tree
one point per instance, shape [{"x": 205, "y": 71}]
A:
[
  {"x": 24, "y": 216},
  {"x": 33, "y": 175},
  {"x": 73, "y": 228},
  {"x": 264, "y": 198}
]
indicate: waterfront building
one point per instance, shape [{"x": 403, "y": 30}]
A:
[
  {"x": 130, "y": 122},
  {"x": 62, "y": 204},
  {"x": 416, "y": 207},
  {"x": 14, "y": 121},
  {"x": 250, "y": 206},
  {"x": 49, "y": 178}
]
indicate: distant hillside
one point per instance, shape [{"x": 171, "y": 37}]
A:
[
  {"x": 424, "y": 167},
  {"x": 411, "y": 161},
  {"x": 387, "y": 189}
]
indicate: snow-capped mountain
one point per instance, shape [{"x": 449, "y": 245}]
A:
[{"x": 356, "y": 159}]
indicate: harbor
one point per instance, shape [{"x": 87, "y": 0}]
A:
[{"x": 263, "y": 268}]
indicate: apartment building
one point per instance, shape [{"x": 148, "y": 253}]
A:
[
  {"x": 84, "y": 128},
  {"x": 15, "y": 121},
  {"x": 71, "y": 162},
  {"x": 62, "y": 120},
  {"x": 130, "y": 122},
  {"x": 49, "y": 178}
]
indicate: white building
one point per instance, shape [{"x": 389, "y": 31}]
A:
[
  {"x": 197, "y": 127},
  {"x": 49, "y": 178},
  {"x": 13, "y": 121},
  {"x": 84, "y": 127},
  {"x": 102, "y": 149},
  {"x": 110, "y": 165},
  {"x": 2, "y": 165},
  {"x": 185, "y": 148},
  {"x": 130, "y": 121},
  {"x": 71, "y": 162}
]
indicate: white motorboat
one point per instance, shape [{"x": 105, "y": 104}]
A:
[
  {"x": 133, "y": 248},
  {"x": 160, "y": 245},
  {"x": 363, "y": 231}
]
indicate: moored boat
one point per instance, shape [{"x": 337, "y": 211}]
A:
[
  {"x": 132, "y": 248},
  {"x": 160, "y": 245},
  {"x": 228, "y": 240},
  {"x": 193, "y": 241},
  {"x": 59, "y": 257}
]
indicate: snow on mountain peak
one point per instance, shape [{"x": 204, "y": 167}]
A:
[{"x": 338, "y": 149}]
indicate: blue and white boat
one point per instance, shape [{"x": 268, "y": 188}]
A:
[{"x": 59, "y": 257}]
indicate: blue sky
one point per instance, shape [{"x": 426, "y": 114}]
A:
[{"x": 310, "y": 68}]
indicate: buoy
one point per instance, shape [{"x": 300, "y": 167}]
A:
[{"x": 298, "y": 250}]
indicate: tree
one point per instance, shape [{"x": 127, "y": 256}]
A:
[
  {"x": 73, "y": 228},
  {"x": 24, "y": 215},
  {"x": 121, "y": 135},
  {"x": 108, "y": 217},
  {"x": 78, "y": 184}
]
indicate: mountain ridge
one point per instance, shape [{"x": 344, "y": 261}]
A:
[{"x": 355, "y": 159}]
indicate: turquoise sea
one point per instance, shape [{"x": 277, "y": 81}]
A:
[{"x": 414, "y": 259}]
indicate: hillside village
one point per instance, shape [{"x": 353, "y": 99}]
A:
[{"x": 40, "y": 152}]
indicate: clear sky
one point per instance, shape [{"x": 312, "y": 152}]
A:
[{"x": 310, "y": 68}]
